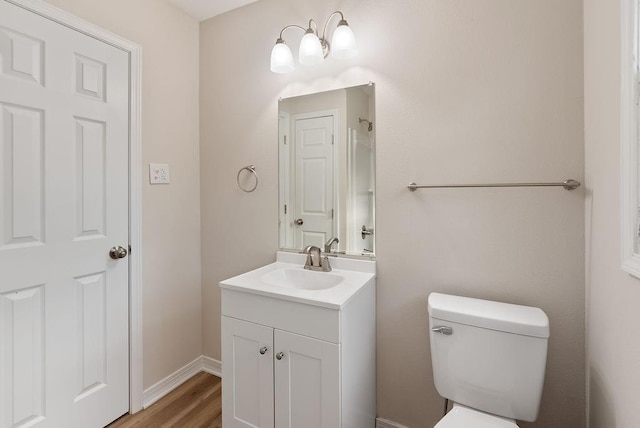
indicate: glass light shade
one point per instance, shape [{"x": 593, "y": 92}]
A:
[
  {"x": 343, "y": 43},
  {"x": 281, "y": 58},
  {"x": 310, "y": 50}
]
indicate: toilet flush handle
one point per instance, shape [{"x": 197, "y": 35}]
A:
[{"x": 442, "y": 329}]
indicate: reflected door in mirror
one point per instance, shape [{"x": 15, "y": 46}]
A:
[{"x": 313, "y": 203}]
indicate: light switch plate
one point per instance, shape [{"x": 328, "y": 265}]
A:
[{"x": 159, "y": 173}]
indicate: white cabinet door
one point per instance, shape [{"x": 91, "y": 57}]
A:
[
  {"x": 64, "y": 142},
  {"x": 247, "y": 373},
  {"x": 307, "y": 382}
]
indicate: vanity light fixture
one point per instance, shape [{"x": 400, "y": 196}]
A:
[{"x": 314, "y": 49}]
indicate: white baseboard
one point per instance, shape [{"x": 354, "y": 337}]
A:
[
  {"x": 180, "y": 376},
  {"x": 385, "y": 423},
  {"x": 212, "y": 366}
]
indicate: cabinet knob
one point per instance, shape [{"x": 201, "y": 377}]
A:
[
  {"x": 263, "y": 350},
  {"x": 279, "y": 355}
]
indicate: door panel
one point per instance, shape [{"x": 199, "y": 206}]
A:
[
  {"x": 314, "y": 181},
  {"x": 91, "y": 345},
  {"x": 247, "y": 374},
  {"x": 90, "y": 178},
  {"x": 23, "y": 186},
  {"x": 22, "y": 321},
  {"x": 307, "y": 382},
  {"x": 64, "y": 143}
]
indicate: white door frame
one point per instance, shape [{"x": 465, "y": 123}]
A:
[
  {"x": 135, "y": 178},
  {"x": 284, "y": 180}
]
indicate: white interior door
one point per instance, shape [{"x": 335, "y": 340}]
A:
[
  {"x": 64, "y": 359},
  {"x": 247, "y": 352},
  {"x": 313, "y": 218},
  {"x": 307, "y": 382}
]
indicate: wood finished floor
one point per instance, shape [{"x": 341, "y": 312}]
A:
[{"x": 197, "y": 403}]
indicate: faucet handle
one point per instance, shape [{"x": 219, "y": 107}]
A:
[
  {"x": 325, "y": 265},
  {"x": 314, "y": 256},
  {"x": 307, "y": 250}
]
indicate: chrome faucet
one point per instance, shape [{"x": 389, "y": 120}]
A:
[
  {"x": 330, "y": 242},
  {"x": 315, "y": 261}
]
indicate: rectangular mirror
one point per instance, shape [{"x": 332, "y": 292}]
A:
[{"x": 327, "y": 170}]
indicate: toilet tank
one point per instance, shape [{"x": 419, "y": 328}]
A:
[{"x": 494, "y": 356}]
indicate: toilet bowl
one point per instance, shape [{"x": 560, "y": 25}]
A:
[
  {"x": 465, "y": 417},
  {"x": 489, "y": 358}
]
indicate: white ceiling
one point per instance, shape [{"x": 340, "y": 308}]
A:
[{"x": 205, "y": 9}]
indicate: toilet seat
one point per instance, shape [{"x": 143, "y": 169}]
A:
[{"x": 465, "y": 417}]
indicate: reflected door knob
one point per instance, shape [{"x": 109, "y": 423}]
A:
[
  {"x": 298, "y": 221},
  {"x": 118, "y": 253}
]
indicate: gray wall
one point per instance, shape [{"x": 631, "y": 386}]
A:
[{"x": 466, "y": 91}]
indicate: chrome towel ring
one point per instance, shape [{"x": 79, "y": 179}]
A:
[{"x": 251, "y": 169}]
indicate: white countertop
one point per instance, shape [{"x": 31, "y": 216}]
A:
[{"x": 356, "y": 274}]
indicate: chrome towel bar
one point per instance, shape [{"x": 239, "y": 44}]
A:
[{"x": 569, "y": 184}]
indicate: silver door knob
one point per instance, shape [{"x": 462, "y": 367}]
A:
[
  {"x": 298, "y": 221},
  {"x": 279, "y": 355},
  {"x": 118, "y": 253},
  {"x": 263, "y": 350},
  {"x": 366, "y": 231}
]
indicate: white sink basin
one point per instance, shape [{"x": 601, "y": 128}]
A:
[{"x": 302, "y": 279}]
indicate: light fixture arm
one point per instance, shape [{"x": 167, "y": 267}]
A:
[
  {"x": 290, "y": 26},
  {"x": 326, "y": 24},
  {"x": 315, "y": 26}
]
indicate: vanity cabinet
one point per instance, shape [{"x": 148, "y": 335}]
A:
[
  {"x": 289, "y": 361},
  {"x": 276, "y": 377}
]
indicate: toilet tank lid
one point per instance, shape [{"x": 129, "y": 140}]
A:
[{"x": 524, "y": 320}]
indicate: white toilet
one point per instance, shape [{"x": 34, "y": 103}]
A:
[{"x": 489, "y": 358}]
